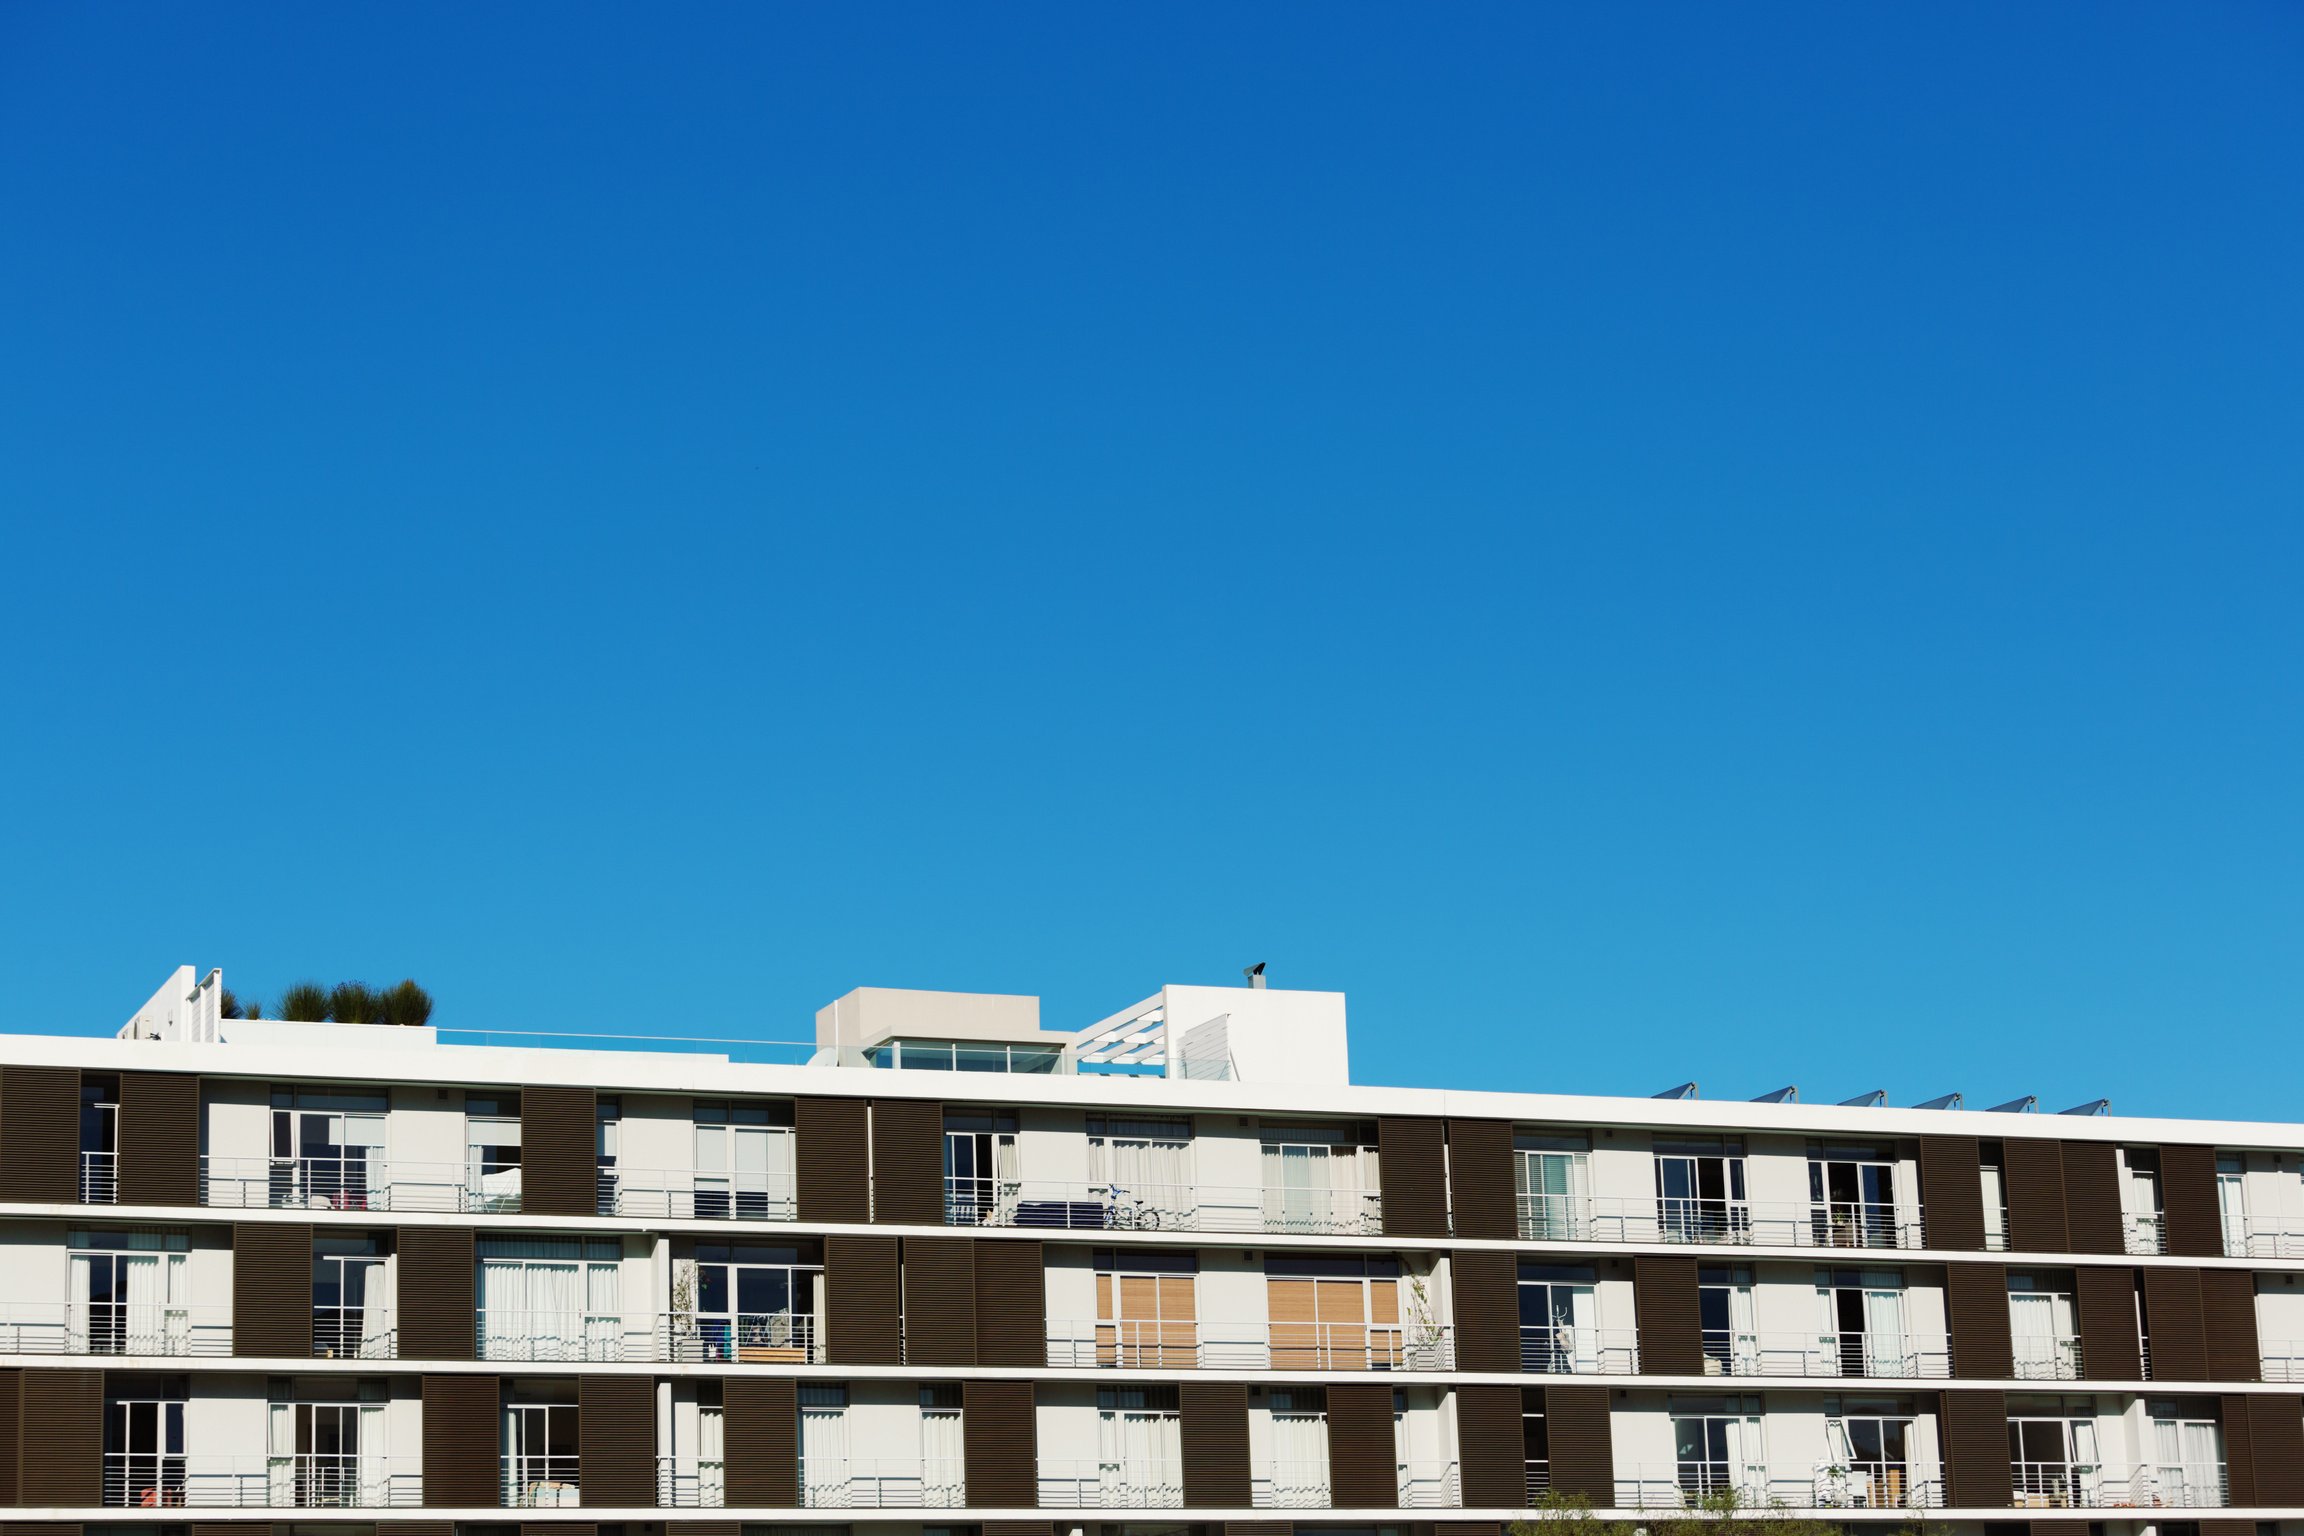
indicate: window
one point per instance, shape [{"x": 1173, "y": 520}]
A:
[
  {"x": 2140, "y": 1200},
  {"x": 1298, "y": 1476},
  {"x": 758, "y": 1303},
  {"x": 1559, "y": 1322},
  {"x": 2052, "y": 1451},
  {"x": 965, "y": 1056},
  {"x": 1139, "y": 1439},
  {"x": 1700, "y": 1190},
  {"x": 823, "y": 1444},
  {"x": 1535, "y": 1442},
  {"x": 943, "y": 1453},
  {"x": 1144, "y": 1167},
  {"x": 351, "y": 1303},
  {"x": 1717, "y": 1447},
  {"x": 144, "y": 1441},
  {"x": 1870, "y": 1465},
  {"x": 1552, "y": 1178},
  {"x": 2187, "y": 1454},
  {"x": 2232, "y": 1200},
  {"x": 1320, "y": 1178},
  {"x": 711, "y": 1455},
  {"x": 542, "y": 1434},
  {"x": 1995, "y": 1196},
  {"x": 327, "y": 1148},
  {"x": 492, "y": 1151},
  {"x": 1863, "y": 1322},
  {"x": 1852, "y": 1195},
  {"x": 131, "y": 1293},
  {"x": 980, "y": 1174},
  {"x": 1146, "y": 1312},
  {"x": 550, "y": 1299},
  {"x": 1724, "y": 1313},
  {"x": 1333, "y": 1312},
  {"x": 99, "y": 1139},
  {"x": 2043, "y": 1326},
  {"x": 608, "y": 1118},
  {"x": 324, "y": 1444},
  {"x": 744, "y": 1161}
]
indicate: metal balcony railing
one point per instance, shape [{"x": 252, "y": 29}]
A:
[
  {"x": 359, "y": 1181},
  {"x": 305, "y": 1481},
  {"x": 1678, "y": 1485},
  {"x": 1561, "y": 1349},
  {"x": 503, "y": 1335},
  {"x": 2079, "y": 1485},
  {"x": 113, "y": 1328},
  {"x": 1731, "y": 1223},
  {"x": 2046, "y": 1357},
  {"x": 1290, "y": 1485},
  {"x": 2144, "y": 1233},
  {"x": 1067, "y": 1483},
  {"x": 2283, "y": 1359},
  {"x": 984, "y": 1202},
  {"x": 744, "y": 1338},
  {"x": 1430, "y": 1485},
  {"x": 99, "y": 1178},
  {"x": 540, "y": 1482},
  {"x": 2263, "y": 1237},
  {"x": 1898, "y": 1357},
  {"x": 683, "y": 1482},
  {"x": 1539, "y": 1480},
  {"x": 684, "y": 1195},
  {"x": 882, "y": 1482},
  {"x": 1143, "y": 1344},
  {"x": 354, "y": 1333}
]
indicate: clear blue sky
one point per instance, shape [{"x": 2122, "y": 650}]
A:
[{"x": 1751, "y": 543}]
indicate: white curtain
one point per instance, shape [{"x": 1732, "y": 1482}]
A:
[
  {"x": 778, "y": 1149},
  {"x": 374, "y": 1467},
  {"x": 147, "y": 1299},
  {"x": 824, "y": 1453},
  {"x": 941, "y": 1456},
  {"x": 2032, "y": 1326},
  {"x": 1146, "y": 1160},
  {"x": 1884, "y": 1325},
  {"x": 711, "y": 1459},
  {"x": 603, "y": 1323},
  {"x": 1300, "y": 1452},
  {"x": 82, "y": 1265},
  {"x": 280, "y": 1446},
  {"x": 1142, "y": 1449},
  {"x": 1583, "y": 1324}
]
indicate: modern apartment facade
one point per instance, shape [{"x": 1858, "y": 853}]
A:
[{"x": 1169, "y": 1272}]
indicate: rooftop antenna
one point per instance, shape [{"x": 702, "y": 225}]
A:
[
  {"x": 1684, "y": 1091},
  {"x": 2092, "y": 1107},
  {"x": 1945, "y": 1101},
  {"x": 1789, "y": 1094},
  {"x": 1876, "y": 1099},
  {"x": 2027, "y": 1105},
  {"x": 1255, "y": 975}
]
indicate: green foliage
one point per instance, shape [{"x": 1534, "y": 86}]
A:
[
  {"x": 353, "y": 1002},
  {"x": 231, "y": 1005},
  {"x": 306, "y": 1002},
  {"x": 407, "y": 1005}
]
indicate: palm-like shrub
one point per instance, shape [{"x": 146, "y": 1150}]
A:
[
  {"x": 352, "y": 1002},
  {"x": 406, "y": 1004},
  {"x": 306, "y": 1002}
]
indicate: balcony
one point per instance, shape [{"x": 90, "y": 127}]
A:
[
  {"x": 2046, "y": 1357},
  {"x": 681, "y": 1195},
  {"x": 882, "y": 1482},
  {"x": 356, "y": 1182},
  {"x": 1835, "y": 1224},
  {"x": 99, "y": 1178},
  {"x": 133, "y": 1481},
  {"x": 1539, "y": 1481},
  {"x": 743, "y": 1338},
  {"x": 1826, "y": 1354},
  {"x": 1290, "y": 1485},
  {"x": 540, "y": 1482},
  {"x": 1561, "y": 1349},
  {"x": 2283, "y": 1359},
  {"x": 354, "y": 1333},
  {"x": 2263, "y": 1237},
  {"x": 1084, "y": 1484},
  {"x": 983, "y": 1202},
  {"x": 683, "y": 1482},
  {"x": 1430, "y": 1485},
  {"x": 2144, "y": 1233},
  {"x": 550, "y": 1336},
  {"x": 113, "y": 1328},
  {"x": 1683, "y": 1485},
  {"x": 2073, "y": 1485},
  {"x": 1132, "y": 1344}
]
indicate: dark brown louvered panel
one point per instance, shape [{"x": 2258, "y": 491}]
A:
[
  {"x": 2035, "y": 1178},
  {"x": 2174, "y": 1327},
  {"x": 1214, "y": 1430},
  {"x": 559, "y": 1151},
  {"x": 272, "y": 1290},
  {"x": 1472, "y": 1527},
  {"x": 1259, "y": 1528},
  {"x": 40, "y": 1134},
  {"x": 44, "y": 1528},
  {"x": 2228, "y": 1319},
  {"x": 681, "y": 1528},
  {"x": 2276, "y": 1431},
  {"x": 1952, "y": 1192},
  {"x": 1412, "y": 1170},
  {"x": 860, "y": 1302},
  {"x": 1976, "y": 1301},
  {"x": 2059, "y": 1528},
  {"x": 2107, "y": 1300},
  {"x": 1487, "y": 1290},
  {"x": 2239, "y": 1452},
  {"x": 616, "y": 1440},
  {"x": 11, "y": 1404},
  {"x": 159, "y": 1138},
  {"x": 2224, "y": 1527},
  {"x": 437, "y": 1321},
  {"x": 1491, "y": 1446},
  {"x": 832, "y": 1159},
  {"x": 61, "y": 1430},
  {"x": 2195, "y": 1228},
  {"x": 1671, "y": 1334},
  {"x": 1582, "y": 1445},
  {"x": 403, "y": 1528},
  {"x": 939, "y": 1301},
  {"x": 1018, "y": 1528},
  {"x": 908, "y": 1162},
  {"x": 1000, "y": 1442},
  {"x": 1483, "y": 1198},
  {"x": 2092, "y": 1197},
  {"x": 255, "y": 1527},
  {"x": 1976, "y": 1449},
  {"x": 460, "y": 1439},
  {"x": 551, "y": 1528},
  {"x": 1011, "y": 1303},
  {"x": 760, "y": 1420},
  {"x": 1363, "y": 1459}
]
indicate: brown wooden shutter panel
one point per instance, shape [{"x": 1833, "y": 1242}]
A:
[
  {"x": 832, "y": 1172},
  {"x": 1483, "y": 1199},
  {"x": 264, "y": 1527},
  {"x": 2107, "y": 1302},
  {"x": 2276, "y": 1433},
  {"x": 1214, "y": 1430},
  {"x": 559, "y": 1151},
  {"x": 1583, "y": 1448},
  {"x": 437, "y": 1321},
  {"x": 908, "y": 1162},
  {"x": 1011, "y": 1303},
  {"x": 760, "y": 1421},
  {"x": 1952, "y": 1192},
  {"x": 2173, "y": 1325},
  {"x": 1363, "y": 1459},
  {"x": 549, "y": 1528},
  {"x": 1474, "y": 1527},
  {"x": 2228, "y": 1319},
  {"x": 2225, "y": 1528},
  {"x": 1487, "y": 1290},
  {"x": 399, "y": 1528},
  {"x": 1975, "y": 1430},
  {"x": 272, "y": 1289},
  {"x": 1671, "y": 1331},
  {"x": 11, "y": 1434},
  {"x": 861, "y": 1325},
  {"x": 2239, "y": 1451},
  {"x": 40, "y": 1135},
  {"x": 2092, "y": 1197},
  {"x": 1412, "y": 1170},
  {"x": 1018, "y": 1528},
  {"x": 2035, "y": 1178},
  {"x": 680, "y": 1528},
  {"x": 939, "y": 1301},
  {"x": 46, "y": 1528},
  {"x": 1259, "y": 1528},
  {"x": 1000, "y": 1441},
  {"x": 2194, "y": 1224},
  {"x": 61, "y": 1430},
  {"x": 1976, "y": 1302},
  {"x": 1491, "y": 1446},
  {"x": 461, "y": 1433},
  {"x": 2059, "y": 1527},
  {"x": 616, "y": 1440},
  {"x": 159, "y": 1138}
]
